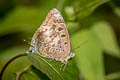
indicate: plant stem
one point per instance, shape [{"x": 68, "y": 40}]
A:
[
  {"x": 5, "y": 66},
  {"x": 19, "y": 74}
]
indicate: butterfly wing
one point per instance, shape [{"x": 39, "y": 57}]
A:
[{"x": 51, "y": 40}]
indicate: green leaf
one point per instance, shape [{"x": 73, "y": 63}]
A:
[
  {"x": 70, "y": 14},
  {"x": 41, "y": 75},
  {"x": 113, "y": 76},
  {"x": 85, "y": 7},
  {"x": 52, "y": 69},
  {"x": 107, "y": 37},
  {"x": 31, "y": 73},
  {"x": 44, "y": 66},
  {"x": 17, "y": 21},
  {"x": 89, "y": 57},
  {"x": 26, "y": 19},
  {"x": 72, "y": 27},
  {"x": 16, "y": 65}
]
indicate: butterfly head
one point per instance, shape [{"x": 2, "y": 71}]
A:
[{"x": 32, "y": 47}]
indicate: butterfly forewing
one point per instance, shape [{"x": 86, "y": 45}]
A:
[{"x": 51, "y": 40}]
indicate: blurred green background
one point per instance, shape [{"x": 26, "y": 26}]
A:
[{"x": 97, "y": 21}]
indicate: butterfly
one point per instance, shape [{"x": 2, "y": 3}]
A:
[{"x": 51, "y": 40}]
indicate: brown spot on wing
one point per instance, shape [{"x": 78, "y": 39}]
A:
[
  {"x": 53, "y": 26},
  {"x": 65, "y": 43},
  {"x": 60, "y": 46},
  {"x": 58, "y": 20},
  {"x": 63, "y": 35},
  {"x": 49, "y": 16},
  {"x": 53, "y": 35},
  {"x": 58, "y": 42},
  {"x": 53, "y": 45},
  {"x": 60, "y": 28}
]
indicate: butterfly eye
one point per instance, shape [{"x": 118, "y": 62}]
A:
[{"x": 32, "y": 49}]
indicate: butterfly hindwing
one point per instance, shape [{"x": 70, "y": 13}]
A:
[{"x": 51, "y": 40}]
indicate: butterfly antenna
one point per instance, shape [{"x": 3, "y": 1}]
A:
[
  {"x": 80, "y": 45},
  {"x": 27, "y": 42}
]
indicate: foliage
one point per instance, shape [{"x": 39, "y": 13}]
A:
[{"x": 96, "y": 21}]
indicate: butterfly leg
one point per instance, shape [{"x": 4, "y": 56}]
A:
[
  {"x": 64, "y": 64},
  {"x": 51, "y": 59}
]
